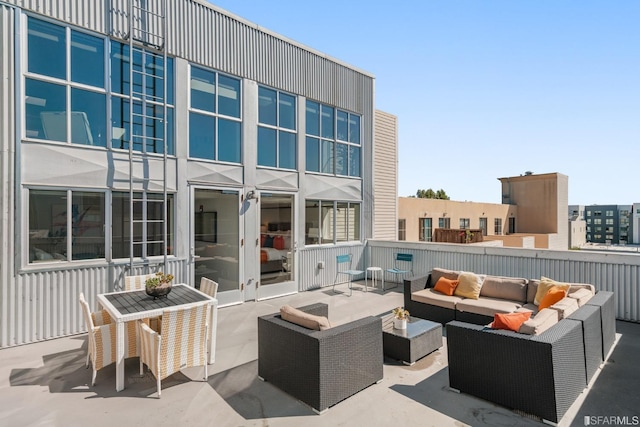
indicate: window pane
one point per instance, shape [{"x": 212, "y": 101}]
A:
[
  {"x": 354, "y": 161},
  {"x": 46, "y": 106},
  {"x": 170, "y": 81},
  {"x": 229, "y": 141},
  {"x": 327, "y": 122},
  {"x": 47, "y": 226},
  {"x": 266, "y": 147},
  {"x": 170, "y": 131},
  {"x": 203, "y": 89},
  {"x": 88, "y": 220},
  {"x": 327, "y": 156},
  {"x": 354, "y": 221},
  {"x": 202, "y": 130},
  {"x": 287, "y": 111},
  {"x": 87, "y": 59},
  {"x": 327, "y": 222},
  {"x": 354, "y": 129},
  {"x": 343, "y": 126},
  {"x": 342, "y": 159},
  {"x": 312, "y": 222},
  {"x": 47, "y": 52},
  {"x": 119, "y": 123},
  {"x": 312, "y": 162},
  {"x": 229, "y": 96},
  {"x": 88, "y": 118},
  {"x": 313, "y": 118},
  {"x": 154, "y": 132},
  {"x": 120, "y": 226},
  {"x": 267, "y": 108},
  {"x": 287, "y": 150},
  {"x": 119, "y": 68},
  {"x": 342, "y": 222},
  {"x": 154, "y": 76}
]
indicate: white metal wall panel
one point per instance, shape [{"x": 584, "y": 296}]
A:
[
  {"x": 312, "y": 277},
  {"x": 333, "y": 188},
  {"x": 385, "y": 176},
  {"x": 7, "y": 172},
  {"x": 213, "y": 173},
  {"x": 83, "y": 13},
  {"x": 276, "y": 179},
  {"x": 614, "y": 272}
]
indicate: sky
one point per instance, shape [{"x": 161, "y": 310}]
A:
[{"x": 487, "y": 89}]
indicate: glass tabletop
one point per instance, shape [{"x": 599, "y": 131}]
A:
[{"x": 415, "y": 326}]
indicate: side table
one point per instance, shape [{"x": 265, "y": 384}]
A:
[
  {"x": 408, "y": 345},
  {"x": 373, "y": 272}
]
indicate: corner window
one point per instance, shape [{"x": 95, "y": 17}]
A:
[
  {"x": 331, "y": 222},
  {"x": 333, "y": 143}
]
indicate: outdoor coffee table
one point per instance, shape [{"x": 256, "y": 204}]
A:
[{"x": 408, "y": 345}]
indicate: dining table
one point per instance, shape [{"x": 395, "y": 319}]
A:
[{"x": 126, "y": 306}]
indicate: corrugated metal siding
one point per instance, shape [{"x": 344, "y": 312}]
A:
[
  {"x": 89, "y": 14},
  {"x": 44, "y": 304},
  {"x": 385, "y": 176},
  {"x": 614, "y": 272},
  {"x": 7, "y": 171},
  {"x": 311, "y": 277}
]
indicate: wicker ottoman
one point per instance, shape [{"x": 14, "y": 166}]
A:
[{"x": 408, "y": 345}]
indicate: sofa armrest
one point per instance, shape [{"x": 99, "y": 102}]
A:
[{"x": 413, "y": 284}]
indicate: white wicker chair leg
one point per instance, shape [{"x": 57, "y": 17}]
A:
[{"x": 93, "y": 378}]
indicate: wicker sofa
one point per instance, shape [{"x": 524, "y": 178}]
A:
[
  {"x": 540, "y": 374},
  {"x": 320, "y": 368}
]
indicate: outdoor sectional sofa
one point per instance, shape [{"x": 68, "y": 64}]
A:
[{"x": 541, "y": 372}]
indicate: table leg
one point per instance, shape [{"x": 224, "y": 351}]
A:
[{"x": 120, "y": 355}]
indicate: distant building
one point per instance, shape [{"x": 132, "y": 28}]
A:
[
  {"x": 532, "y": 214},
  {"x": 576, "y": 211},
  {"x": 577, "y": 226},
  {"x": 608, "y": 224},
  {"x": 634, "y": 226}
]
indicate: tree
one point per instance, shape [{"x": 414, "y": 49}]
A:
[{"x": 430, "y": 194}]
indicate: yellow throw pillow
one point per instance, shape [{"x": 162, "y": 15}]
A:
[
  {"x": 544, "y": 286},
  {"x": 469, "y": 285}
]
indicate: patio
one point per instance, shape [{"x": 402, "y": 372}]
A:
[{"x": 47, "y": 384}]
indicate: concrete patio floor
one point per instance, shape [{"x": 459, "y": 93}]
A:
[{"x": 46, "y": 384}]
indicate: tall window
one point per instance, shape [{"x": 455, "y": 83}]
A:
[
  {"x": 65, "y": 98},
  {"x": 609, "y": 213},
  {"x": 425, "y": 230},
  {"x": 214, "y": 116},
  {"x": 444, "y": 222},
  {"x": 464, "y": 223},
  {"x": 149, "y": 78},
  {"x": 147, "y": 241},
  {"x": 497, "y": 226},
  {"x": 402, "y": 229},
  {"x": 66, "y": 225},
  {"x": 333, "y": 140},
  {"x": 331, "y": 222},
  {"x": 276, "y": 129}
]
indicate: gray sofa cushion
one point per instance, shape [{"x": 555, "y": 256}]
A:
[
  {"x": 532, "y": 288},
  {"x": 509, "y": 288},
  {"x": 429, "y": 296},
  {"x": 581, "y": 295},
  {"x": 487, "y": 306},
  {"x": 565, "y": 307},
  {"x": 542, "y": 321}
]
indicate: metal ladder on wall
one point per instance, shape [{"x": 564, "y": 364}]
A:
[{"x": 147, "y": 33}]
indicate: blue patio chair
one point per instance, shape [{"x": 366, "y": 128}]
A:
[
  {"x": 344, "y": 267},
  {"x": 402, "y": 264}
]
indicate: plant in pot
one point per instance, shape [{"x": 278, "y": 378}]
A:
[
  {"x": 159, "y": 285},
  {"x": 400, "y": 317}
]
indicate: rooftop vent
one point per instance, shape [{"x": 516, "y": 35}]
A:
[{"x": 527, "y": 173}]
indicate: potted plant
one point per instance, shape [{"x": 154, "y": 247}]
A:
[
  {"x": 158, "y": 285},
  {"x": 400, "y": 317}
]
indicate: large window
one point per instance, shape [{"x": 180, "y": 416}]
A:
[
  {"x": 497, "y": 226},
  {"x": 66, "y": 94},
  {"x": 331, "y": 222},
  {"x": 214, "y": 117},
  {"x": 402, "y": 229},
  {"x": 148, "y": 93},
  {"x": 444, "y": 222},
  {"x": 464, "y": 223},
  {"x": 65, "y": 100},
  {"x": 333, "y": 141},
  {"x": 276, "y": 129},
  {"x": 483, "y": 225},
  {"x": 147, "y": 209},
  {"x": 66, "y": 225},
  {"x": 425, "y": 230}
]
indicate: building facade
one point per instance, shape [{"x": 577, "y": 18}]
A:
[
  {"x": 171, "y": 135},
  {"x": 608, "y": 224}
]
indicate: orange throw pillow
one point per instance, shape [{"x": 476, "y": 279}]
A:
[
  {"x": 446, "y": 286},
  {"x": 553, "y": 295},
  {"x": 510, "y": 321}
]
